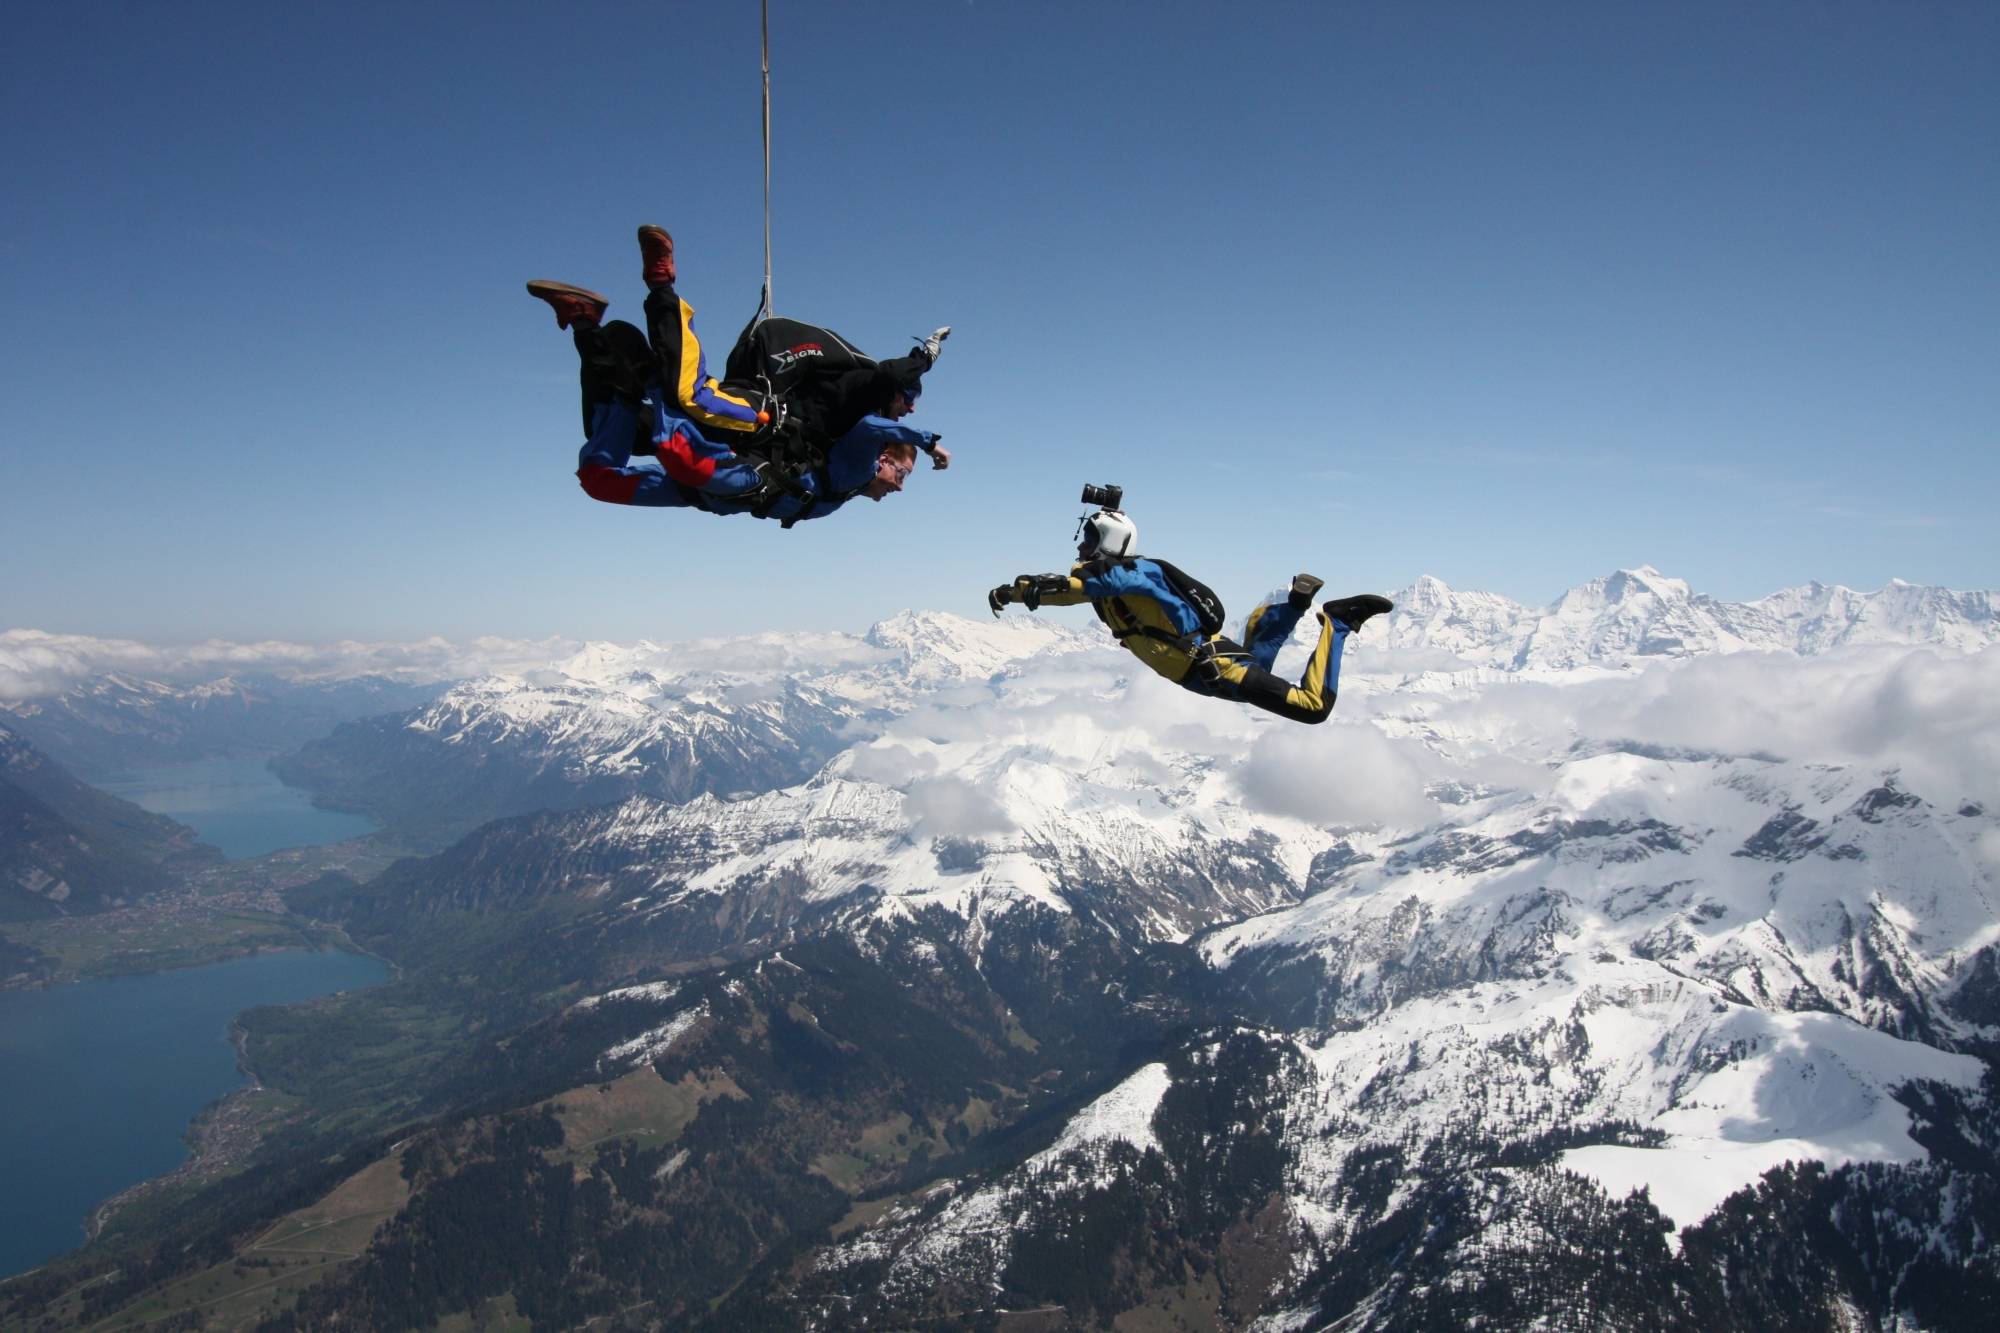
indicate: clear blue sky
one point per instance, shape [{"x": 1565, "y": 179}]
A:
[{"x": 1508, "y": 294}]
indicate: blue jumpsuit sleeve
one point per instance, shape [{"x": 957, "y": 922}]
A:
[
  {"x": 1142, "y": 578},
  {"x": 886, "y": 432},
  {"x": 850, "y": 464}
]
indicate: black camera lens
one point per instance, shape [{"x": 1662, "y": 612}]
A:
[{"x": 1108, "y": 497}]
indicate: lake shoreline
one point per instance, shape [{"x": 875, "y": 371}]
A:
[
  {"x": 222, "y": 1133},
  {"x": 235, "y": 909},
  {"x": 220, "y": 1114},
  {"x": 240, "y": 806},
  {"x": 254, "y": 933}
]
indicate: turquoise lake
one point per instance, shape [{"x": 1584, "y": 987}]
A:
[
  {"x": 236, "y": 804},
  {"x": 99, "y": 1080}
]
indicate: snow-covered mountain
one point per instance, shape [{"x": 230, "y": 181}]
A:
[
  {"x": 1639, "y": 614},
  {"x": 758, "y": 712},
  {"x": 1539, "y": 919},
  {"x": 1672, "y": 969},
  {"x": 733, "y": 716},
  {"x": 970, "y": 969}
]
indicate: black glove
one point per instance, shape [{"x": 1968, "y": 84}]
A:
[{"x": 999, "y": 597}]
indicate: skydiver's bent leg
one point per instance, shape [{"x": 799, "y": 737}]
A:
[
  {"x": 606, "y": 469},
  {"x": 1240, "y": 673},
  {"x": 692, "y": 459},
  {"x": 1270, "y": 626},
  {"x": 613, "y": 363},
  {"x": 1268, "y": 630},
  {"x": 682, "y": 368}
]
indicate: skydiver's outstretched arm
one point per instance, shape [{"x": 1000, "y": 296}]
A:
[
  {"x": 831, "y": 405},
  {"x": 1035, "y": 590},
  {"x": 887, "y": 431}
]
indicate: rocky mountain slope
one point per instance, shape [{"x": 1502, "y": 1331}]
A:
[
  {"x": 68, "y": 848},
  {"x": 116, "y": 721},
  {"x": 1630, "y": 963}
]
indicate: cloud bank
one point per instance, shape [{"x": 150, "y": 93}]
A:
[
  {"x": 35, "y": 664},
  {"x": 1932, "y": 714}
]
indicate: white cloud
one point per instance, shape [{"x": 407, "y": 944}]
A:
[
  {"x": 34, "y": 663},
  {"x": 1336, "y": 774},
  {"x": 1933, "y": 714},
  {"x": 743, "y": 693},
  {"x": 953, "y": 807},
  {"x": 759, "y": 654},
  {"x": 1989, "y": 847},
  {"x": 889, "y": 763},
  {"x": 1407, "y": 660}
]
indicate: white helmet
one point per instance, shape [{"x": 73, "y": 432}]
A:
[{"x": 1107, "y": 532}]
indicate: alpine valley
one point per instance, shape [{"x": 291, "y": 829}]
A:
[{"x": 1631, "y": 962}]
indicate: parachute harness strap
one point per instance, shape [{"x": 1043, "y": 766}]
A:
[{"x": 1202, "y": 649}]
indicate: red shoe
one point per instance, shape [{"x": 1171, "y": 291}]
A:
[
  {"x": 573, "y": 305},
  {"x": 656, "y": 256}
]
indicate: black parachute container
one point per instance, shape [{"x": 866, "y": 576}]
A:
[
  {"x": 778, "y": 355},
  {"x": 794, "y": 371}
]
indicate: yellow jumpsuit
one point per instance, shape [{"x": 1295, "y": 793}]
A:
[{"x": 1156, "y": 624}]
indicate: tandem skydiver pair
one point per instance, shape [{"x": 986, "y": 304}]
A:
[{"x": 800, "y": 423}]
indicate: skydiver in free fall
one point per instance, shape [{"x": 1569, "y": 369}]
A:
[
  {"x": 1173, "y": 622},
  {"x": 663, "y": 432}
]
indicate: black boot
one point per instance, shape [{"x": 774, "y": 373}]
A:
[
  {"x": 1303, "y": 588},
  {"x": 1354, "y": 612}
]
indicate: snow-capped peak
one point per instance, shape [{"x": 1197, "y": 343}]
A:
[
  {"x": 1636, "y": 614},
  {"x": 937, "y": 646}
]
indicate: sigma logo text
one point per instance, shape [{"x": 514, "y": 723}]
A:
[{"x": 783, "y": 360}]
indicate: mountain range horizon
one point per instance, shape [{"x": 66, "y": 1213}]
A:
[
  {"x": 35, "y": 663},
  {"x": 1599, "y": 942}
]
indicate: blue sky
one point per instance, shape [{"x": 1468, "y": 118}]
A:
[{"x": 1513, "y": 295}]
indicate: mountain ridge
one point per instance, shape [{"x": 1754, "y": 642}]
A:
[{"x": 1586, "y": 958}]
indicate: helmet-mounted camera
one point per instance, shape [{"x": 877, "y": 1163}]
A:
[{"x": 1106, "y": 532}]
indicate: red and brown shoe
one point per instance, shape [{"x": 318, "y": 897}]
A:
[
  {"x": 656, "y": 256},
  {"x": 573, "y": 305}
]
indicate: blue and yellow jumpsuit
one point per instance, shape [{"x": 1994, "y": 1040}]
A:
[
  {"x": 689, "y": 391},
  {"x": 698, "y": 425},
  {"x": 1146, "y": 614}
]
